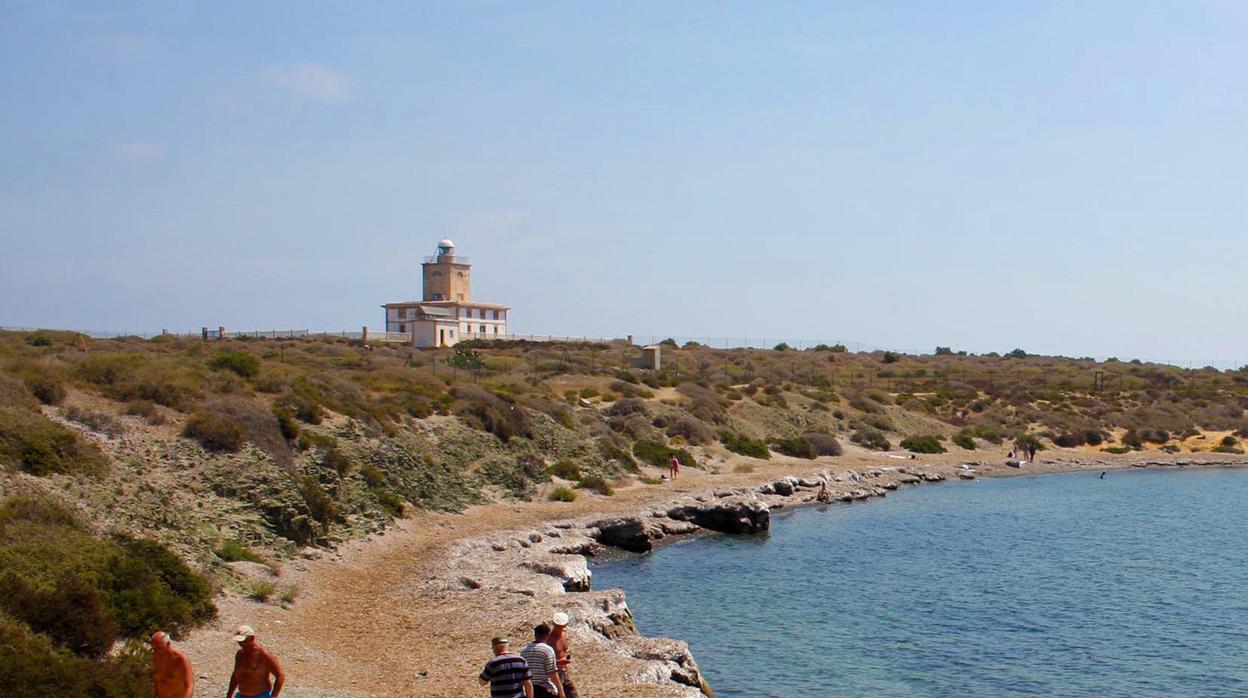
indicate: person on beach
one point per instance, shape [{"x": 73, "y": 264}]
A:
[
  {"x": 253, "y": 665},
  {"x": 824, "y": 495},
  {"x": 171, "y": 670},
  {"x": 542, "y": 665},
  {"x": 674, "y": 464},
  {"x": 507, "y": 674},
  {"x": 1102, "y": 474},
  {"x": 558, "y": 640}
]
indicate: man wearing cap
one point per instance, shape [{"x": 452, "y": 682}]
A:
[
  {"x": 558, "y": 640},
  {"x": 252, "y": 667},
  {"x": 507, "y": 674},
  {"x": 171, "y": 670}
]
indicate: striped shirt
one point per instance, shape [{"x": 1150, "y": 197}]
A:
[
  {"x": 506, "y": 674},
  {"x": 541, "y": 659}
]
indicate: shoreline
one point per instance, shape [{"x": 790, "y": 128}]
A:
[{"x": 439, "y": 585}]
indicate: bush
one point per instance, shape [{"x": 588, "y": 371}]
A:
[
  {"x": 1132, "y": 440},
  {"x": 338, "y": 461},
  {"x": 782, "y": 346},
  {"x": 625, "y": 407},
  {"x": 233, "y": 551},
  {"x": 891, "y": 357},
  {"x": 145, "y": 409},
  {"x": 691, "y": 429},
  {"x": 565, "y": 469},
  {"x": 1227, "y": 449},
  {"x": 72, "y": 613},
  {"x": 964, "y": 440},
  {"x": 261, "y": 590},
  {"x": 1116, "y": 449},
  {"x": 1230, "y": 441},
  {"x": 824, "y": 444},
  {"x": 320, "y": 505},
  {"x": 239, "y": 362},
  {"x": 39, "y": 446},
  {"x": 95, "y": 421},
  {"x": 739, "y": 443},
  {"x": 659, "y": 454},
  {"x": 286, "y": 424},
  {"x": 45, "y": 388},
  {"x": 1025, "y": 440},
  {"x": 389, "y": 501},
  {"x": 923, "y": 444},
  {"x": 34, "y": 667},
  {"x": 562, "y": 494},
  {"x": 596, "y": 483},
  {"x": 872, "y": 439},
  {"x": 794, "y": 447},
  {"x": 490, "y": 413},
  {"x": 214, "y": 432},
  {"x": 13, "y": 393}
]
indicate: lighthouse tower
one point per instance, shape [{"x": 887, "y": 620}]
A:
[{"x": 447, "y": 277}]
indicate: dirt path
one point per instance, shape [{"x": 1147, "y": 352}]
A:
[{"x": 366, "y": 623}]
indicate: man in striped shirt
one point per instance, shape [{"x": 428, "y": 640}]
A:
[
  {"x": 541, "y": 659},
  {"x": 507, "y": 673}
]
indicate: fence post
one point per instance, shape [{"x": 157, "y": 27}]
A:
[
  {"x": 204, "y": 333},
  {"x": 220, "y": 332},
  {"x": 364, "y": 334}
]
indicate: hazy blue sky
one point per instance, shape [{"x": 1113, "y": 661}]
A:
[{"x": 1066, "y": 177}]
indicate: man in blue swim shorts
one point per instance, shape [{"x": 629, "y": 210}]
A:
[{"x": 253, "y": 665}]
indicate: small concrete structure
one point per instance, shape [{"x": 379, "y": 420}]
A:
[
  {"x": 652, "y": 356},
  {"x": 446, "y": 313}
]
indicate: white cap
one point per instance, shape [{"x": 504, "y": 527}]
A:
[
  {"x": 561, "y": 618},
  {"x": 243, "y": 632}
]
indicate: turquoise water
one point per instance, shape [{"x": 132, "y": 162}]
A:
[{"x": 1056, "y": 585}]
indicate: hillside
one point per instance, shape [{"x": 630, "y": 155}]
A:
[{"x": 233, "y": 455}]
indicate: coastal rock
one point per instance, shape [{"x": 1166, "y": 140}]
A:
[
  {"x": 733, "y": 515},
  {"x": 784, "y": 487},
  {"x": 571, "y": 570},
  {"x": 633, "y": 535},
  {"x": 676, "y": 528},
  {"x": 932, "y": 477}
]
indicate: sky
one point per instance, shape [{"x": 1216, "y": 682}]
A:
[{"x": 1064, "y": 177}]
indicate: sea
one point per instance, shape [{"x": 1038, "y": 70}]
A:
[{"x": 1050, "y": 585}]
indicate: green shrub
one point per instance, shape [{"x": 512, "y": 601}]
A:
[
  {"x": 596, "y": 483},
  {"x": 286, "y": 424},
  {"x": 214, "y": 432},
  {"x": 34, "y": 667},
  {"x": 233, "y": 551},
  {"x": 490, "y": 413},
  {"x": 565, "y": 469},
  {"x": 782, "y": 346},
  {"x": 1116, "y": 449},
  {"x": 824, "y": 444},
  {"x": 794, "y": 447},
  {"x": 95, "y": 421},
  {"x": 261, "y": 590},
  {"x": 71, "y": 613},
  {"x": 562, "y": 494},
  {"x": 659, "y": 454},
  {"x": 964, "y": 440},
  {"x": 1227, "y": 449},
  {"x": 37, "y": 445},
  {"x": 923, "y": 444},
  {"x": 891, "y": 357},
  {"x": 372, "y": 475},
  {"x": 739, "y": 443},
  {"x": 1024, "y": 441},
  {"x": 872, "y": 439},
  {"x": 46, "y": 388},
  {"x": 1132, "y": 440},
  {"x": 13, "y": 393},
  {"x": 338, "y": 461},
  {"x": 145, "y": 409},
  {"x": 240, "y": 363},
  {"x": 320, "y": 505},
  {"x": 693, "y": 430},
  {"x": 289, "y": 594},
  {"x": 1230, "y": 441},
  {"x": 389, "y": 501}
]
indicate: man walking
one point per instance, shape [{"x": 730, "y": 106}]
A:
[
  {"x": 171, "y": 670},
  {"x": 542, "y": 667},
  {"x": 253, "y": 665},
  {"x": 507, "y": 674},
  {"x": 558, "y": 640},
  {"x": 674, "y": 466}
]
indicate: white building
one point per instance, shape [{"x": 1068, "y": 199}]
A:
[{"x": 446, "y": 313}]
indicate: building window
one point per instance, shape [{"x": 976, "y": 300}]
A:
[
  {"x": 482, "y": 329},
  {"x": 402, "y": 314},
  {"x": 435, "y": 273},
  {"x": 402, "y": 327},
  {"x": 461, "y": 274},
  {"x": 495, "y": 314}
]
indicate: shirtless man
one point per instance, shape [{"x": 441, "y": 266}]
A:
[
  {"x": 558, "y": 640},
  {"x": 252, "y": 666},
  {"x": 171, "y": 670}
]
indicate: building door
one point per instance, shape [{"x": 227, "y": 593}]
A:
[{"x": 441, "y": 338}]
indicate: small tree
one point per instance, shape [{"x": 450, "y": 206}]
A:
[
  {"x": 891, "y": 357},
  {"x": 944, "y": 351},
  {"x": 782, "y": 346},
  {"x": 466, "y": 358}
]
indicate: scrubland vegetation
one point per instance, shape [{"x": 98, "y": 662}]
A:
[{"x": 276, "y": 444}]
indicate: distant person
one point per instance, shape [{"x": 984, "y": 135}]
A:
[
  {"x": 824, "y": 495},
  {"x": 558, "y": 639},
  {"x": 542, "y": 667},
  {"x": 1032, "y": 449},
  {"x": 1102, "y": 474},
  {"x": 171, "y": 670},
  {"x": 507, "y": 674},
  {"x": 253, "y": 665},
  {"x": 674, "y": 464}
]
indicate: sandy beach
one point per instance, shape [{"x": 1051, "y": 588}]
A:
[{"x": 387, "y": 616}]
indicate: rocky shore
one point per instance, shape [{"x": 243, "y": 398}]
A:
[
  {"x": 436, "y": 588},
  {"x": 549, "y": 564}
]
